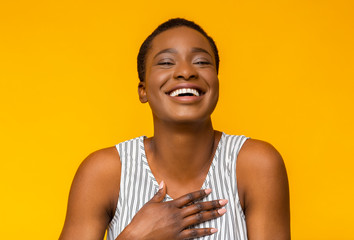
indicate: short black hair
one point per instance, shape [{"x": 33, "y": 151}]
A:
[{"x": 172, "y": 23}]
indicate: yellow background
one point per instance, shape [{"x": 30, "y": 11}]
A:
[{"x": 68, "y": 86}]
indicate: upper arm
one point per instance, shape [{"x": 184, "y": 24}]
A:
[
  {"x": 93, "y": 196},
  {"x": 264, "y": 191}
]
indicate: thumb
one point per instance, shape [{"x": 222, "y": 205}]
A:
[{"x": 160, "y": 195}]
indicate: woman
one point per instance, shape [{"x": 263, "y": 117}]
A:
[{"x": 181, "y": 183}]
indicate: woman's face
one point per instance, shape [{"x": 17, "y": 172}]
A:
[{"x": 181, "y": 82}]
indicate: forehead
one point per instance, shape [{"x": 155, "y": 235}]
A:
[{"x": 180, "y": 38}]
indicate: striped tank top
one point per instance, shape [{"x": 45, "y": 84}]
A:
[{"x": 138, "y": 186}]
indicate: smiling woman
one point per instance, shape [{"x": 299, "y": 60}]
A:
[
  {"x": 183, "y": 55},
  {"x": 181, "y": 183}
]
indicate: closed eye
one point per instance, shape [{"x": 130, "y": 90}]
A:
[
  {"x": 202, "y": 63},
  {"x": 165, "y": 63}
]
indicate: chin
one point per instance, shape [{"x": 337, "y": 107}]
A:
[
  {"x": 184, "y": 115},
  {"x": 184, "y": 118}
]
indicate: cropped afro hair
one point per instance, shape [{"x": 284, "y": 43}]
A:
[{"x": 172, "y": 23}]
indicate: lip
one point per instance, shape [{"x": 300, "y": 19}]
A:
[{"x": 186, "y": 85}]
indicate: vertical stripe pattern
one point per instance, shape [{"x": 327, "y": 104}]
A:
[{"x": 138, "y": 186}]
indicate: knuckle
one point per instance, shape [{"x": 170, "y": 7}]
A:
[
  {"x": 193, "y": 233},
  {"x": 164, "y": 207},
  {"x": 169, "y": 206},
  {"x": 172, "y": 204},
  {"x": 158, "y": 194},
  {"x": 176, "y": 216},
  {"x": 190, "y": 196},
  {"x": 214, "y": 214},
  {"x": 199, "y": 206},
  {"x": 201, "y": 193},
  {"x": 215, "y": 204},
  {"x": 176, "y": 225},
  {"x": 199, "y": 217},
  {"x": 206, "y": 231}
]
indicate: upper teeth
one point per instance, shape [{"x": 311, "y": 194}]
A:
[{"x": 184, "y": 90}]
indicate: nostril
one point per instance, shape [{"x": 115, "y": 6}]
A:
[{"x": 186, "y": 77}]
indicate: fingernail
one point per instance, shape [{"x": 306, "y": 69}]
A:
[
  {"x": 213, "y": 230},
  {"x": 161, "y": 185},
  {"x": 207, "y": 191},
  {"x": 222, "y": 211},
  {"x": 223, "y": 202}
]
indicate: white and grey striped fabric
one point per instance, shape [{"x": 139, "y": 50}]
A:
[{"x": 138, "y": 186}]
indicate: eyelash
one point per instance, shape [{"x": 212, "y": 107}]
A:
[
  {"x": 170, "y": 63},
  {"x": 165, "y": 63},
  {"x": 202, "y": 63}
]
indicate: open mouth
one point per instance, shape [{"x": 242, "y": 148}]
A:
[{"x": 182, "y": 92}]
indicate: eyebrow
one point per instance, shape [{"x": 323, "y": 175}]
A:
[
  {"x": 172, "y": 50},
  {"x": 196, "y": 50},
  {"x": 167, "y": 50}
]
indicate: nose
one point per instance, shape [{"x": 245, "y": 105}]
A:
[{"x": 185, "y": 70}]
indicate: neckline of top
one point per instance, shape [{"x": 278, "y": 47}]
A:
[{"x": 152, "y": 177}]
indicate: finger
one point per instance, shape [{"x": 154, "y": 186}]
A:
[
  {"x": 196, "y": 232},
  {"x": 190, "y": 197},
  {"x": 160, "y": 195},
  {"x": 203, "y": 206},
  {"x": 202, "y": 217}
]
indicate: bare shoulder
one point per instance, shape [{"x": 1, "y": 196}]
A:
[
  {"x": 263, "y": 190},
  {"x": 93, "y": 196},
  {"x": 259, "y": 164},
  {"x": 100, "y": 171},
  {"x": 257, "y": 155},
  {"x": 101, "y": 163}
]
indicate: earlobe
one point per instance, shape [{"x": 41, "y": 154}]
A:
[{"x": 142, "y": 92}]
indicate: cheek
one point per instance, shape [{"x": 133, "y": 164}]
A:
[
  {"x": 213, "y": 82},
  {"x": 216, "y": 92},
  {"x": 215, "y": 88},
  {"x": 155, "y": 81},
  {"x": 216, "y": 84}
]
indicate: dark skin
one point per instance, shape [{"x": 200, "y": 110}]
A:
[{"x": 179, "y": 155}]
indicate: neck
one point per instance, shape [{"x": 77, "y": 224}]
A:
[{"x": 182, "y": 152}]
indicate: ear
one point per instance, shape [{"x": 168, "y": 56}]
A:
[{"x": 142, "y": 92}]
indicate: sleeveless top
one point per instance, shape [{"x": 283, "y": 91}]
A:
[{"x": 138, "y": 186}]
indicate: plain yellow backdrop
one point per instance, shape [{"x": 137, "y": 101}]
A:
[{"x": 68, "y": 86}]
